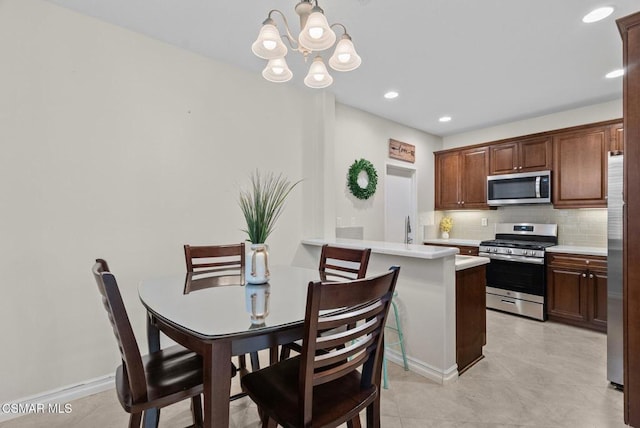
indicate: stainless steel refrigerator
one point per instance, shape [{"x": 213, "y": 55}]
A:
[{"x": 614, "y": 272}]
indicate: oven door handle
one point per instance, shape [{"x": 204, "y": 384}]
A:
[{"x": 517, "y": 259}]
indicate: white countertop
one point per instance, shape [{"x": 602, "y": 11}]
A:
[
  {"x": 391, "y": 248},
  {"x": 453, "y": 241},
  {"x": 575, "y": 249},
  {"x": 466, "y": 262}
]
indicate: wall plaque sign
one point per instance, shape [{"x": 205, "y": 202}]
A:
[{"x": 403, "y": 151}]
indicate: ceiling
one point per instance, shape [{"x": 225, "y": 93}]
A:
[{"x": 482, "y": 62}]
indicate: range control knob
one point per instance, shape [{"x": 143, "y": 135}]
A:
[{"x": 509, "y": 251}]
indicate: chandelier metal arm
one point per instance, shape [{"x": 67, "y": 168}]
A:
[
  {"x": 292, "y": 40},
  {"x": 337, "y": 24}
]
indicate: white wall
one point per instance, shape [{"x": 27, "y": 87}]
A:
[
  {"x": 361, "y": 135},
  {"x": 118, "y": 146},
  {"x": 565, "y": 119}
]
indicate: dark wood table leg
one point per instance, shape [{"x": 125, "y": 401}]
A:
[
  {"x": 152, "y": 416},
  {"x": 217, "y": 384}
]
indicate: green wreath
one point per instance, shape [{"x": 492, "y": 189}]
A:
[{"x": 352, "y": 179}]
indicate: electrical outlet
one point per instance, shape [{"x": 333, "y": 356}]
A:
[{"x": 484, "y": 222}]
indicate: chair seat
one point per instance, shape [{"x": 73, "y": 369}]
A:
[
  {"x": 276, "y": 388},
  {"x": 171, "y": 373}
]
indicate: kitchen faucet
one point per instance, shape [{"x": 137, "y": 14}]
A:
[{"x": 407, "y": 231}]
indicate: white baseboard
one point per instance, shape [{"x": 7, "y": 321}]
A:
[
  {"x": 61, "y": 395},
  {"x": 424, "y": 369}
]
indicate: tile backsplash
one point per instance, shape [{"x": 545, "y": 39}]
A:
[{"x": 584, "y": 227}]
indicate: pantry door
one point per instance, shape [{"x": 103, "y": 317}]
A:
[{"x": 400, "y": 203}]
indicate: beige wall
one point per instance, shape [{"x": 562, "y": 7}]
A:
[
  {"x": 358, "y": 133},
  {"x": 564, "y": 119},
  {"x": 118, "y": 146}
]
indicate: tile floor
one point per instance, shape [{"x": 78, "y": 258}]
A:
[{"x": 534, "y": 375}]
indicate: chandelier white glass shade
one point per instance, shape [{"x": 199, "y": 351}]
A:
[
  {"x": 316, "y": 36},
  {"x": 277, "y": 71},
  {"x": 345, "y": 58},
  {"x": 269, "y": 44},
  {"x": 318, "y": 76}
]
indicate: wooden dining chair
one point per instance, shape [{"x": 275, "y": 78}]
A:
[
  {"x": 337, "y": 375},
  {"x": 336, "y": 263},
  {"x": 223, "y": 260},
  {"x": 343, "y": 262},
  {"x": 155, "y": 380},
  {"x": 219, "y": 258}
]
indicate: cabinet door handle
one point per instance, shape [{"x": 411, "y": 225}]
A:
[
  {"x": 591, "y": 275},
  {"x": 584, "y": 275},
  {"x": 519, "y": 167},
  {"x": 515, "y": 167},
  {"x": 462, "y": 202}
]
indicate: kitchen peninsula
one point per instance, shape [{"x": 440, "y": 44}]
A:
[{"x": 426, "y": 298}]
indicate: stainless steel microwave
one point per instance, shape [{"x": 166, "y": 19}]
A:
[{"x": 519, "y": 188}]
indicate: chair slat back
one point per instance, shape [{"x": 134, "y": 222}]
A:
[
  {"x": 344, "y": 262},
  {"x": 129, "y": 351},
  {"x": 336, "y": 345},
  {"x": 214, "y": 257}
]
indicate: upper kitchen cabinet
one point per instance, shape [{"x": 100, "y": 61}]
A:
[
  {"x": 520, "y": 156},
  {"x": 461, "y": 179},
  {"x": 580, "y": 168},
  {"x": 617, "y": 138}
]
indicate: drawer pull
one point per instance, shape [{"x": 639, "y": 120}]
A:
[{"x": 508, "y": 301}]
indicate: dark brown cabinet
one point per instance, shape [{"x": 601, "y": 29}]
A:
[
  {"x": 461, "y": 179},
  {"x": 464, "y": 249},
  {"x": 577, "y": 290},
  {"x": 616, "y": 138},
  {"x": 580, "y": 168},
  {"x": 520, "y": 156},
  {"x": 471, "y": 316}
]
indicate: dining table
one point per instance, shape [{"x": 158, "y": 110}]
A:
[{"x": 220, "y": 316}]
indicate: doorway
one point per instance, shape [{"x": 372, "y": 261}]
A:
[{"x": 400, "y": 203}]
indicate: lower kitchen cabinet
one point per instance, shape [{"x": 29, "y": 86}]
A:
[
  {"x": 464, "y": 249},
  {"x": 471, "y": 316},
  {"x": 577, "y": 290}
]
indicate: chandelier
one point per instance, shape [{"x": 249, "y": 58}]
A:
[{"x": 316, "y": 35}]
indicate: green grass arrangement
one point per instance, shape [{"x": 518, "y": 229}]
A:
[{"x": 263, "y": 203}]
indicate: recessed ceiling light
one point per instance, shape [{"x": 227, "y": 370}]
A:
[
  {"x": 597, "y": 14},
  {"x": 445, "y": 119},
  {"x": 615, "y": 73},
  {"x": 391, "y": 95}
]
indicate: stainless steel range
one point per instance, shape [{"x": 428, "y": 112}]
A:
[{"x": 516, "y": 280}]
